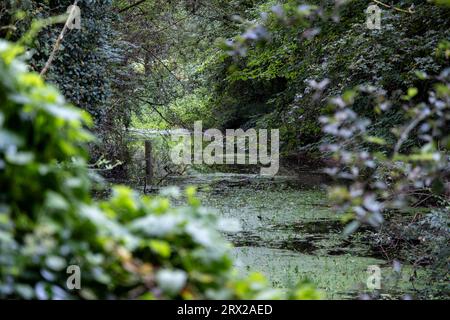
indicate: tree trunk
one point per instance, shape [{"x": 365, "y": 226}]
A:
[{"x": 148, "y": 163}]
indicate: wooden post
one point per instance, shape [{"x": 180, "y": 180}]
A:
[{"x": 148, "y": 163}]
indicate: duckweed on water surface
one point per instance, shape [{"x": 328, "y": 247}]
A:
[{"x": 290, "y": 234}]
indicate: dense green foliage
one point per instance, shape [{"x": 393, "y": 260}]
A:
[
  {"x": 126, "y": 247},
  {"x": 268, "y": 85},
  {"x": 371, "y": 105}
]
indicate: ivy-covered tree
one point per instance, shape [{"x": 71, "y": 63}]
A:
[{"x": 85, "y": 65}]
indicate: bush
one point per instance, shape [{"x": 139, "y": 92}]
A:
[{"x": 126, "y": 247}]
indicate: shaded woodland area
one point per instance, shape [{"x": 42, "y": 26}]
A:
[{"x": 86, "y": 177}]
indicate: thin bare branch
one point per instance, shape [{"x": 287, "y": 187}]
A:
[{"x": 59, "y": 40}]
